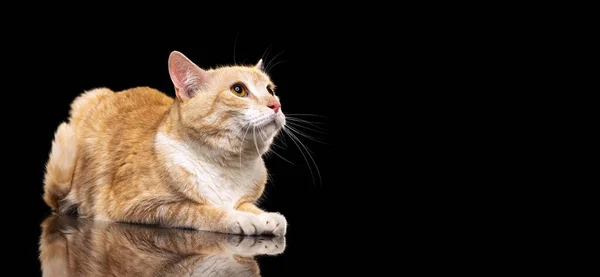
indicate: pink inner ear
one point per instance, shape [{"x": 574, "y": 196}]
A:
[{"x": 185, "y": 75}]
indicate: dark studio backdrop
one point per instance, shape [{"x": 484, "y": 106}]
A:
[
  {"x": 361, "y": 81},
  {"x": 54, "y": 64},
  {"x": 409, "y": 152},
  {"x": 382, "y": 93}
]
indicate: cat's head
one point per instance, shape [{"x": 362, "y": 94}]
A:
[{"x": 229, "y": 107}]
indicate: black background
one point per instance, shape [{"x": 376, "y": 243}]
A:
[
  {"x": 370, "y": 79},
  {"x": 409, "y": 96},
  {"x": 393, "y": 152},
  {"x": 55, "y": 63}
]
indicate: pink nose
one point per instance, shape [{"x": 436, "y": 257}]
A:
[{"x": 274, "y": 105}]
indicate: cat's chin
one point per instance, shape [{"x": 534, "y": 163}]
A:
[
  {"x": 279, "y": 121},
  {"x": 273, "y": 127}
]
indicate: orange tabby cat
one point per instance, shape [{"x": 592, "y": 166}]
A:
[
  {"x": 71, "y": 247},
  {"x": 193, "y": 162}
]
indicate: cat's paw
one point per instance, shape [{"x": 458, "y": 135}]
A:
[
  {"x": 274, "y": 223},
  {"x": 256, "y": 245},
  {"x": 245, "y": 224}
]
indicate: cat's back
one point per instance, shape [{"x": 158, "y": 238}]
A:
[{"x": 102, "y": 110}]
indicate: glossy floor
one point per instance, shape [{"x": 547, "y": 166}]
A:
[{"x": 81, "y": 247}]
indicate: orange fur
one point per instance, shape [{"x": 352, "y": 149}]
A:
[{"x": 143, "y": 157}]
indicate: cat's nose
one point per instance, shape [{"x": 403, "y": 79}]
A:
[{"x": 275, "y": 105}]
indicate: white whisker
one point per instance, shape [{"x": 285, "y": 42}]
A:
[
  {"x": 275, "y": 65},
  {"x": 274, "y": 144},
  {"x": 312, "y": 123},
  {"x": 273, "y": 151},
  {"x": 307, "y": 128},
  {"x": 260, "y": 130},
  {"x": 282, "y": 138},
  {"x": 254, "y": 137},
  {"x": 294, "y": 140},
  {"x": 269, "y": 67},
  {"x": 265, "y": 54},
  {"x": 304, "y": 134},
  {"x": 305, "y": 114},
  {"x": 242, "y": 147},
  {"x": 234, "y": 44},
  {"x": 235, "y": 136}
]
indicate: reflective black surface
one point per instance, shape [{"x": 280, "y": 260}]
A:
[{"x": 83, "y": 247}]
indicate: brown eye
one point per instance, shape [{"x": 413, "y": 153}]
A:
[
  {"x": 239, "y": 90},
  {"x": 270, "y": 90}
]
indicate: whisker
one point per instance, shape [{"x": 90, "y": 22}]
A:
[
  {"x": 260, "y": 130},
  {"x": 313, "y": 123},
  {"x": 265, "y": 54},
  {"x": 235, "y": 135},
  {"x": 254, "y": 137},
  {"x": 268, "y": 67},
  {"x": 277, "y": 145},
  {"x": 301, "y": 152},
  {"x": 296, "y": 124},
  {"x": 273, "y": 151},
  {"x": 274, "y": 144},
  {"x": 234, "y": 44},
  {"x": 272, "y": 66},
  {"x": 282, "y": 139},
  {"x": 296, "y": 139},
  {"x": 305, "y": 114},
  {"x": 242, "y": 147},
  {"x": 270, "y": 179},
  {"x": 304, "y": 134}
]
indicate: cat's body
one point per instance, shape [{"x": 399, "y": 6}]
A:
[{"x": 193, "y": 162}]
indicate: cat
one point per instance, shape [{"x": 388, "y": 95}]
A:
[
  {"x": 193, "y": 161},
  {"x": 82, "y": 247}
]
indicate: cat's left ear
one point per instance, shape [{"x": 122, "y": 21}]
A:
[
  {"x": 187, "y": 77},
  {"x": 259, "y": 65}
]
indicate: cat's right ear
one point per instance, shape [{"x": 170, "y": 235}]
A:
[{"x": 187, "y": 77}]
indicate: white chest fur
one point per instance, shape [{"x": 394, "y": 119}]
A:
[{"x": 221, "y": 186}]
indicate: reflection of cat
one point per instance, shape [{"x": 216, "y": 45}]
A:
[
  {"x": 195, "y": 161},
  {"x": 82, "y": 247}
]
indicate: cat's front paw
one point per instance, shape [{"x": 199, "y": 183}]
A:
[
  {"x": 245, "y": 224},
  {"x": 274, "y": 223},
  {"x": 256, "y": 245}
]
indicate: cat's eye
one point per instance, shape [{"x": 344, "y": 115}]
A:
[
  {"x": 239, "y": 90},
  {"x": 270, "y": 90}
]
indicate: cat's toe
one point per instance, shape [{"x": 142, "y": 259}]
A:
[
  {"x": 245, "y": 224},
  {"x": 272, "y": 245},
  {"x": 256, "y": 245},
  {"x": 274, "y": 223}
]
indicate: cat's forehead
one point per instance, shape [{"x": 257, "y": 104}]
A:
[{"x": 249, "y": 75}]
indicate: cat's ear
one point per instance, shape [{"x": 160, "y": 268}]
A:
[
  {"x": 259, "y": 65},
  {"x": 187, "y": 77}
]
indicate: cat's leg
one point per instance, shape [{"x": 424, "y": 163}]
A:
[
  {"x": 275, "y": 223},
  {"x": 189, "y": 214}
]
